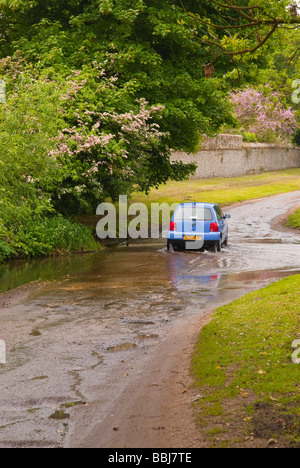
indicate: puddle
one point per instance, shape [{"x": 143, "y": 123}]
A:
[
  {"x": 59, "y": 415},
  {"x": 17, "y": 273},
  {"x": 152, "y": 336},
  {"x": 138, "y": 322},
  {"x": 262, "y": 241},
  {"x": 122, "y": 347}
]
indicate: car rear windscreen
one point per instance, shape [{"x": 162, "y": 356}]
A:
[{"x": 193, "y": 213}]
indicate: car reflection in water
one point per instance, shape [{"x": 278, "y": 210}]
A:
[
  {"x": 197, "y": 274},
  {"x": 190, "y": 278}
]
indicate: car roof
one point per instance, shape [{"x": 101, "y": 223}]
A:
[{"x": 191, "y": 204}]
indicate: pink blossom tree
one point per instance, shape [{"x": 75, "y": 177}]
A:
[
  {"x": 262, "y": 111},
  {"x": 105, "y": 149}
]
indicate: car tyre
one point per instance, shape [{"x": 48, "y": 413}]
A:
[
  {"x": 218, "y": 246},
  {"x": 225, "y": 243}
]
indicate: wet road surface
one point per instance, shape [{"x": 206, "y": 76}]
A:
[{"x": 98, "y": 351}]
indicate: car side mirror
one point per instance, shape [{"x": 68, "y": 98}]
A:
[{"x": 227, "y": 216}]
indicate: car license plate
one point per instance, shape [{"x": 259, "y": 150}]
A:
[{"x": 192, "y": 238}]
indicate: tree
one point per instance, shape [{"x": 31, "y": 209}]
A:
[
  {"x": 146, "y": 43},
  {"x": 105, "y": 152},
  {"x": 165, "y": 48},
  {"x": 261, "y": 111},
  {"x": 240, "y": 27}
]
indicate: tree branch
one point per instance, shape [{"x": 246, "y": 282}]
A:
[
  {"x": 251, "y": 19},
  {"x": 235, "y": 7},
  {"x": 244, "y": 51},
  {"x": 217, "y": 26},
  {"x": 240, "y": 10},
  {"x": 293, "y": 56}
]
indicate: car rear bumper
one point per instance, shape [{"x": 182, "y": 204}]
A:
[
  {"x": 207, "y": 237},
  {"x": 207, "y": 240},
  {"x": 191, "y": 245}
]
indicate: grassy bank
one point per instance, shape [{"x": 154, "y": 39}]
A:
[
  {"x": 46, "y": 237},
  {"x": 294, "y": 220},
  {"x": 243, "y": 368},
  {"x": 224, "y": 191}
]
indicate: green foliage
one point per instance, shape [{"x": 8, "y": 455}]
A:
[
  {"x": 148, "y": 44},
  {"x": 106, "y": 154},
  {"x": 26, "y": 173},
  {"x": 250, "y": 137},
  {"x": 46, "y": 236},
  {"x": 29, "y": 124},
  {"x": 99, "y": 91},
  {"x": 296, "y": 138},
  {"x": 50, "y": 235},
  {"x": 6, "y": 251}
]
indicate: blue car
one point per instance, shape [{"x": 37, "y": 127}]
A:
[{"x": 195, "y": 226}]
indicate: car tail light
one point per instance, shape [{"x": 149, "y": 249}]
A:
[
  {"x": 214, "y": 227},
  {"x": 172, "y": 226}
]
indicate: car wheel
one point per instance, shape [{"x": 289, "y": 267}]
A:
[
  {"x": 218, "y": 246},
  {"x": 225, "y": 243},
  {"x": 170, "y": 246}
]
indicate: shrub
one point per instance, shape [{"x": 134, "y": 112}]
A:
[
  {"x": 250, "y": 137},
  {"x": 6, "y": 251},
  {"x": 296, "y": 137},
  {"x": 47, "y": 236},
  {"x": 29, "y": 125}
]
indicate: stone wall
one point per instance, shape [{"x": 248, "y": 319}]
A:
[{"x": 228, "y": 156}]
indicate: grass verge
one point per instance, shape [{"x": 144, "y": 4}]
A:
[
  {"x": 294, "y": 220},
  {"x": 224, "y": 191},
  {"x": 243, "y": 368}
]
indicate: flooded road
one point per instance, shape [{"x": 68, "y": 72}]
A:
[{"x": 98, "y": 349}]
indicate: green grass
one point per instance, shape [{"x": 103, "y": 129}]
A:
[
  {"x": 294, "y": 220},
  {"x": 243, "y": 365},
  {"x": 224, "y": 191}
]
